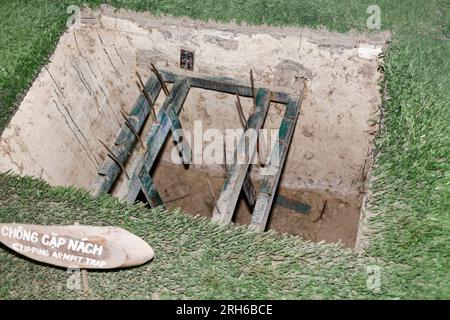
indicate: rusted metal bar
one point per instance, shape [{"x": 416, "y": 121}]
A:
[
  {"x": 240, "y": 111},
  {"x": 161, "y": 80},
  {"x": 324, "y": 208},
  {"x": 146, "y": 95},
  {"x": 252, "y": 84}
]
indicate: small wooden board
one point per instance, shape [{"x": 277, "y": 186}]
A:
[{"x": 85, "y": 247}]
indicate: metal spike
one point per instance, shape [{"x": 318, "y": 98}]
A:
[
  {"x": 130, "y": 126},
  {"x": 161, "y": 81},
  {"x": 114, "y": 158},
  {"x": 146, "y": 95},
  {"x": 240, "y": 111}
]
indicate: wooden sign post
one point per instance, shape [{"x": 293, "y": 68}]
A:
[{"x": 85, "y": 247}]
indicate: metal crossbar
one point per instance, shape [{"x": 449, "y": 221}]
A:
[{"x": 238, "y": 178}]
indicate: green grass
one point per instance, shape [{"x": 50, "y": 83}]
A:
[
  {"x": 412, "y": 171},
  {"x": 197, "y": 259},
  {"x": 194, "y": 258},
  {"x": 30, "y": 29}
]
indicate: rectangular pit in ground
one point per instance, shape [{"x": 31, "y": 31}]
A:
[{"x": 91, "y": 78}]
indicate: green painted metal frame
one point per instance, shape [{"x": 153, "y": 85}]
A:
[{"x": 167, "y": 120}]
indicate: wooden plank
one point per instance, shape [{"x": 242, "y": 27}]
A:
[
  {"x": 134, "y": 184},
  {"x": 147, "y": 185},
  {"x": 249, "y": 190},
  {"x": 270, "y": 182},
  {"x": 224, "y": 209},
  {"x": 158, "y": 134},
  {"x": 177, "y": 134},
  {"x": 280, "y": 97},
  {"x": 293, "y": 205},
  {"x": 84, "y": 247},
  {"x": 221, "y": 84},
  {"x": 224, "y": 84},
  {"x": 169, "y": 76},
  {"x": 125, "y": 139},
  {"x": 149, "y": 190},
  {"x": 168, "y": 120}
]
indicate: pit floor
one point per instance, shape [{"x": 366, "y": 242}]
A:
[{"x": 190, "y": 190}]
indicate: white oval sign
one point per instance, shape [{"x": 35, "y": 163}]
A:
[{"x": 85, "y": 247}]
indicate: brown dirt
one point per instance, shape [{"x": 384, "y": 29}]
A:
[{"x": 189, "y": 190}]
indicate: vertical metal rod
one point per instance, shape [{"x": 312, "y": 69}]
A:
[
  {"x": 161, "y": 80},
  {"x": 240, "y": 111},
  {"x": 146, "y": 95},
  {"x": 252, "y": 83}
]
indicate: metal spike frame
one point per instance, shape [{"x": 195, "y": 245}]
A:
[{"x": 238, "y": 178}]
